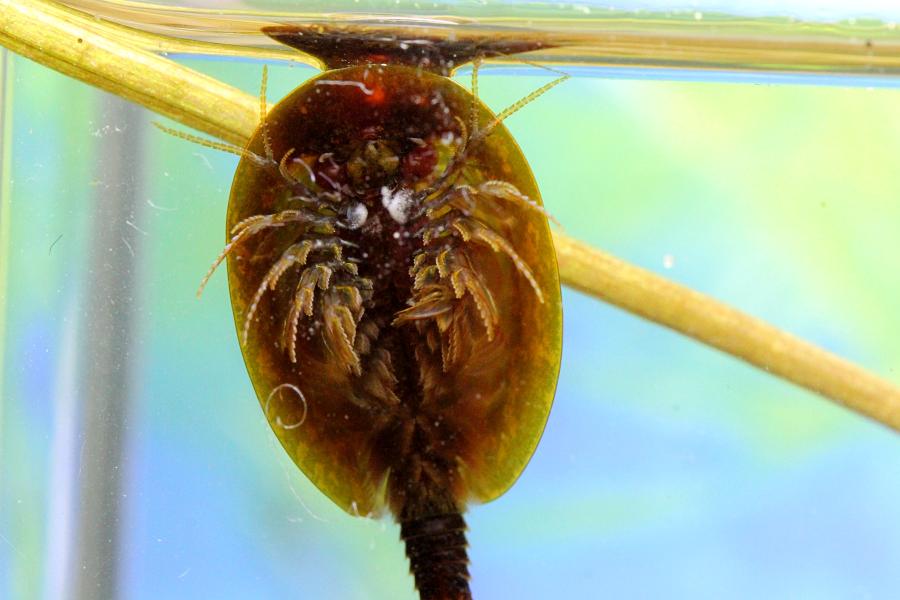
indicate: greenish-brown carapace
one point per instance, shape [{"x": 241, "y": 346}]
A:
[{"x": 396, "y": 295}]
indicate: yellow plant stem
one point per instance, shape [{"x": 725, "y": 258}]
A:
[
  {"x": 88, "y": 50},
  {"x": 80, "y": 47},
  {"x": 648, "y": 295}
]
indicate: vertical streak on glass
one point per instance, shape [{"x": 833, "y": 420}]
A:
[
  {"x": 108, "y": 351},
  {"x": 64, "y": 454},
  {"x": 5, "y": 229}
]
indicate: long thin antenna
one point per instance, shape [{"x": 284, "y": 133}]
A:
[{"x": 263, "y": 111}]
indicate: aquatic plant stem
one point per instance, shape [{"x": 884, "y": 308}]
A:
[
  {"x": 50, "y": 35},
  {"x": 84, "y": 48},
  {"x": 715, "y": 324}
]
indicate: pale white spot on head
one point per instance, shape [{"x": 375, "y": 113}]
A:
[
  {"x": 398, "y": 203},
  {"x": 357, "y": 215}
]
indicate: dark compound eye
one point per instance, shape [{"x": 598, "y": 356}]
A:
[
  {"x": 420, "y": 161},
  {"x": 406, "y": 293},
  {"x": 329, "y": 173}
]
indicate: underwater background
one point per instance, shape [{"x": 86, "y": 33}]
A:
[{"x": 667, "y": 470}]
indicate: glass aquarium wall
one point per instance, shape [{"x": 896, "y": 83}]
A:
[{"x": 135, "y": 461}]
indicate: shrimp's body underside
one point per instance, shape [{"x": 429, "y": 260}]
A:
[{"x": 394, "y": 285}]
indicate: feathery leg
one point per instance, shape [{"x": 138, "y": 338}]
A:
[
  {"x": 296, "y": 255},
  {"x": 255, "y": 224}
]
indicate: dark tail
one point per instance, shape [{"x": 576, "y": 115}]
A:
[{"x": 436, "y": 548}]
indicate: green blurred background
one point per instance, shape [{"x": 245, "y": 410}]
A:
[{"x": 666, "y": 470}]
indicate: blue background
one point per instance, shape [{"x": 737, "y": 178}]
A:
[{"x": 666, "y": 470}]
